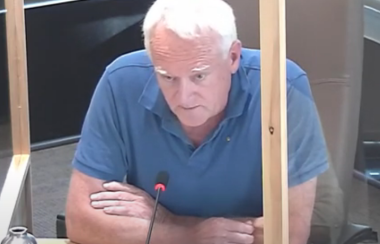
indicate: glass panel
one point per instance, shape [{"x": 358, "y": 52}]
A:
[
  {"x": 338, "y": 46},
  {"x": 340, "y": 55},
  {"x": 65, "y": 62},
  {"x": 85, "y": 44},
  {"x": 366, "y": 204},
  {"x": 5, "y": 128}
]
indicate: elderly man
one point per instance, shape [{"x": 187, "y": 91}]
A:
[{"x": 188, "y": 104}]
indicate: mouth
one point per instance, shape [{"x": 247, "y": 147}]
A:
[{"x": 190, "y": 108}]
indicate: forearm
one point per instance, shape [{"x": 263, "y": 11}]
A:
[
  {"x": 95, "y": 227},
  {"x": 299, "y": 230},
  {"x": 187, "y": 221},
  {"x": 190, "y": 221}
]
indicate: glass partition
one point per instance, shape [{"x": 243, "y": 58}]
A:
[
  {"x": 15, "y": 195},
  {"x": 337, "y": 44},
  {"x": 5, "y": 119},
  {"x": 325, "y": 152},
  {"x": 365, "y": 206}
]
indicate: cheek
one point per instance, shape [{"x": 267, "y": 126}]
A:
[
  {"x": 219, "y": 94},
  {"x": 170, "y": 93}
]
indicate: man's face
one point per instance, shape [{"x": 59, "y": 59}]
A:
[{"x": 193, "y": 76}]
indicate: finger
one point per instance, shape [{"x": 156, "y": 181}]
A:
[
  {"x": 239, "y": 227},
  {"x": 117, "y": 186},
  {"x": 110, "y": 195},
  {"x": 259, "y": 238},
  {"x": 116, "y": 210},
  {"x": 259, "y": 222},
  {"x": 245, "y": 219},
  {"x": 240, "y": 238},
  {"x": 106, "y": 203}
]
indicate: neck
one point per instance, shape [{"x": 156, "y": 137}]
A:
[{"x": 197, "y": 134}]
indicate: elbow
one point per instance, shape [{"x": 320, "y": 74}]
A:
[
  {"x": 74, "y": 231},
  {"x": 71, "y": 231}
]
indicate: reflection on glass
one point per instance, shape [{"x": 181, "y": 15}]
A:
[
  {"x": 341, "y": 56},
  {"x": 365, "y": 207},
  {"x": 5, "y": 129},
  {"x": 343, "y": 69}
]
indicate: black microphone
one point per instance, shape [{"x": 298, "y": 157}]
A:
[{"x": 161, "y": 183}]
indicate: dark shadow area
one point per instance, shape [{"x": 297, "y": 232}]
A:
[
  {"x": 68, "y": 47},
  {"x": 368, "y": 168},
  {"x": 370, "y": 92}
]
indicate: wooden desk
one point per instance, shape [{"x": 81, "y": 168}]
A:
[{"x": 52, "y": 241}]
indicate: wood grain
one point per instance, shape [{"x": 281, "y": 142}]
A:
[
  {"x": 273, "y": 121},
  {"x": 17, "y": 73},
  {"x": 53, "y": 241},
  {"x": 15, "y": 198}
]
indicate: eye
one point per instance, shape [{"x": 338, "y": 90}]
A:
[
  {"x": 168, "y": 78},
  {"x": 200, "y": 77}
]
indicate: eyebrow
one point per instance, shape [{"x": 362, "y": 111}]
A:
[
  {"x": 160, "y": 70},
  {"x": 196, "y": 69},
  {"x": 201, "y": 68}
]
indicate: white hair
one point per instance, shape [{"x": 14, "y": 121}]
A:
[{"x": 190, "y": 18}]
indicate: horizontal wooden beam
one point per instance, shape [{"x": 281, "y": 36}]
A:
[{"x": 53, "y": 241}]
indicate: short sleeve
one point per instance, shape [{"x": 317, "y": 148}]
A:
[
  {"x": 100, "y": 152},
  {"x": 307, "y": 151}
]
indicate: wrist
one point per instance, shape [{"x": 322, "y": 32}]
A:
[
  {"x": 181, "y": 230},
  {"x": 185, "y": 221}
]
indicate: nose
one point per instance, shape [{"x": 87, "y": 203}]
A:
[{"x": 186, "y": 94}]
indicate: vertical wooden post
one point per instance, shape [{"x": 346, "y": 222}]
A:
[
  {"x": 274, "y": 121},
  {"x": 15, "y": 198},
  {"x": 17, "y": 73}
]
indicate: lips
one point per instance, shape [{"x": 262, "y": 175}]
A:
[{"x": 190, "y": 108}]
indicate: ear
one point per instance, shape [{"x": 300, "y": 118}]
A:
[{"x": 234, "y": 55}]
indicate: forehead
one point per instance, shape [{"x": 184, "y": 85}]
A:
[{"x": 169, "y": 51}]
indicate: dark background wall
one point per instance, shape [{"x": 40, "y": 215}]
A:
[
  {"x": 371, "y": 91},
  {"x": 68, "y": 47}
]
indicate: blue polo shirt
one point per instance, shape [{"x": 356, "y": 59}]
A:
[{"x": 130, "y": 133}]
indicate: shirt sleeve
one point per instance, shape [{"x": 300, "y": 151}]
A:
[
  {"x": 307, "y": 152},
  {"x": 100, "y": 152}
]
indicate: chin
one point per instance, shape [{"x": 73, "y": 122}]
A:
[{"x": 192, "y": 122}]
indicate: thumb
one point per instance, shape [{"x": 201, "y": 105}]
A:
[{"x": 258, "y": 223}]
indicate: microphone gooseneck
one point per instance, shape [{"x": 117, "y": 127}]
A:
[{"x": 162, "y": 180}]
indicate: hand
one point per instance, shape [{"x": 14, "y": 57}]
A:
[
  {"x": 127, "y": 200},
  {"x": 224, "y": 231},
  {"x": 258, "y": 225}
]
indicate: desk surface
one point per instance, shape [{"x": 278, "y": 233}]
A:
[{"x": 52, "y": 241}]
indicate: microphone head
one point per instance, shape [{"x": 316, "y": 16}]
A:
[{"x": 162, "y": 180}]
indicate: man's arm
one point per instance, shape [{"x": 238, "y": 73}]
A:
[
  {"x": 301, "y": 204},
  {"x": 307, "y": 157},
  {"x": 100, "y": 157},
  {"x": 88, "y": 225}
]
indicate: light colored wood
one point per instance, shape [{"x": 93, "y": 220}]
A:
[
  {"x": 53, "y": 241},
  {"x": 17, "y": 73},
  {"x": 15, "y": 198},
  {"x": 13, "y": 189},
  {"x": 274, "y": 122}
]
